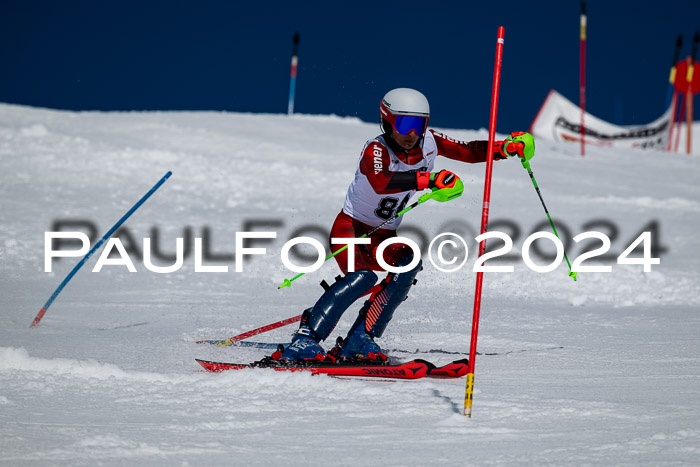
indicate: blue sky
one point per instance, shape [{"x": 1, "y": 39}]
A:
[{"x": 234, "y": 56}]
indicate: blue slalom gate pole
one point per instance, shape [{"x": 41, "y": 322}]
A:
[
  {"x": 94, "y": 249},
  {"x": 293, "y": 75}
]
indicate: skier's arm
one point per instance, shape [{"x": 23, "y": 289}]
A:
[
  {"x": 375, "y": 165},
  {"x": 471, "y": 152}
]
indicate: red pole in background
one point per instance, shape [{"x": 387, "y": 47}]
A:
[
  {"x": 582, "y": 77},
  {"x": 689, "y": 92},
  {"x": 689, "y": 117},
  {"x": 484, "y": 219},
  {"x": 686, "y": 84}
]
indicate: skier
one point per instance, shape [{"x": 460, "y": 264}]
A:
[{"x": 391, "y": 168}]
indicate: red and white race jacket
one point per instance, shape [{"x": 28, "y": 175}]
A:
[{"x": 385, "y": 181}]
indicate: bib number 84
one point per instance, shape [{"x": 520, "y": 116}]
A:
[{"x": 389, "y": 206}]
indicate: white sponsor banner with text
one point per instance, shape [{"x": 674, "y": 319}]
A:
[{"x": 559, "y": 119}]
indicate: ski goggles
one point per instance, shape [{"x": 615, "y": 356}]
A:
[{"x": 404, "y": 124}]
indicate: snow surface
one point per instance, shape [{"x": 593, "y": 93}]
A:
[{"x": 602, "y": 371}]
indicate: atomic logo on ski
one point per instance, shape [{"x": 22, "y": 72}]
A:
[{"x": 384, "y": 372}]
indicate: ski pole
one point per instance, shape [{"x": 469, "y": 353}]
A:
[
  {"x": 441, "y": 195},
  {"x": 70, "y": 275},
  {"x": 526, "y": 165}
]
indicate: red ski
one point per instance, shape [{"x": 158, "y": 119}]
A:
[{"x": 414, "y": 369}]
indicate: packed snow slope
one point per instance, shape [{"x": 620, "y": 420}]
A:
[{"x": 601, "y": 371}]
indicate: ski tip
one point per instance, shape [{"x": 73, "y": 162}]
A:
[
  {"x": 209, "y": 366},
  {"x": 456, "y": 369},
  {"x": 216, "y": 367}
]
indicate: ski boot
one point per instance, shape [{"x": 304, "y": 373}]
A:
[
  {"x": 304, "y": 347},
  {"x": 359, "y": 345}
]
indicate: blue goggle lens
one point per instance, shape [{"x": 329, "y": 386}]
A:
[{"x": 405, "y": 123}]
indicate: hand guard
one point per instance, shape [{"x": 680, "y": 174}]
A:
[
  {"x": 442, "y": 179},
  {"x": 518, "y": 144}
]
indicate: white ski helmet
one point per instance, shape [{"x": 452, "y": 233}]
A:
[{"x": 404, "y": 110}]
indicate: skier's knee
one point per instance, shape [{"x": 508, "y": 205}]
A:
[{"x": 406, "y": 278}]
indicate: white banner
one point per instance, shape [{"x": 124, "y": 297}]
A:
[{"x": 559, "y": 119}]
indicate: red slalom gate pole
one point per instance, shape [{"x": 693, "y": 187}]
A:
[
  {"x": 232, "y": 340},
  {"x": 484, "y": 220},
  {"x": 689, "y": 109},
  {"x": 689, "y": 118},
  {"x": 582, "y": 78},
  {"x": 268, "y": 327},
  {"x": 689, "y": 92}
]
